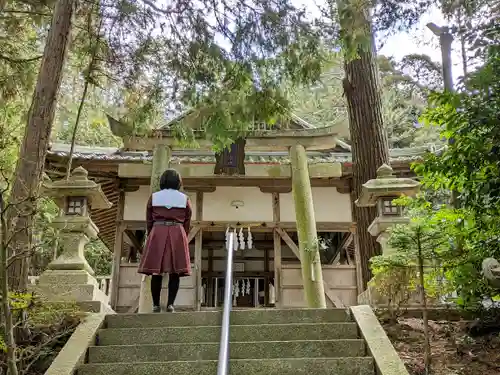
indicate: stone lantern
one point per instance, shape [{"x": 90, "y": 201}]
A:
[
  {"x": 381, "y": 192},
  {"x": 70, "y": 277}
]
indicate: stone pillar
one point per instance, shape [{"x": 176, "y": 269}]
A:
[
  {"x": 312, "y": 273},
  {"x": 69, "y": 277},
  {"x": 161, "y": 162}
]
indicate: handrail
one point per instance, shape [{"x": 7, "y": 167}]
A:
[{"x": 222, "y": 366}]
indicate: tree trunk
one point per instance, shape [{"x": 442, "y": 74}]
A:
[
  {"x": 312, "y": 274},
  {"x": 369, "y": 139},
  {"x": 423, "y": 305},
  {"x": 31, "y": 161},
  {"x": 161, "y": 161},
  {"x": 10, "y": 342}
]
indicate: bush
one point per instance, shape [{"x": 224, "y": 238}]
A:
[{"x": 41, "y": 330}]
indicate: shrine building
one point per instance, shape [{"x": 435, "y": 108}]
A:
[{"x": 247, "y": 187}]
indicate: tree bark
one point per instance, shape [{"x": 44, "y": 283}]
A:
[
  {"x": 312, "y": 273},
  {"x": 369, "y": 138},
  {"x": 423, "y": 304},
  {"x": 31, "y": 161},
  {"x": 10, "y": 342}
]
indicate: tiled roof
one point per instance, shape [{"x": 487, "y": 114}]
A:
[{"x": 195, "y": 156}]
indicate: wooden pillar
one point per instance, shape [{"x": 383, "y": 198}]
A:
[
  {"x": 277, "y": 252},
  {"x": 161, "y": 161},
  {"x": 117, "y": 252},
  {"x": 210, "y": 281},
  {"x": 357, "y": 253},
  {"x": 198, "y": 248},
  {"x": 266, "y": 279}
]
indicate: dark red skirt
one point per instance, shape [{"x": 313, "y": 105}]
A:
[{"x": 166, "y": 251}]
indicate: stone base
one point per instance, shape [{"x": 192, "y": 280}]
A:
[
  {"x": 70, "y": 263},
  {"x": 66, "y": 277},
  {"x": 145, "y": 299},
  {"x": 70, "y": 286}
]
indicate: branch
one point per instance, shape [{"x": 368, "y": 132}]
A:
[
  {"x": 35, "y": 355},
  {"x": 22, "y": 254},
  {"x": 20, "y": 61},
  {"x": 27, "y": 12},
  {"x": 159, "y": 10}
]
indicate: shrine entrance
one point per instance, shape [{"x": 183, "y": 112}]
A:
[
  {"x": 247, "y": 292},
  {"x": 253, "y": 272}
]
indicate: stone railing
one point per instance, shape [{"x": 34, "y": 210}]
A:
[{"x": 104, "y": 282}]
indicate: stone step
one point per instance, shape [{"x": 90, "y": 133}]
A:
[
  {"x": 238, "y": 350},
  {"x": 199, "y": 334},
  {"x": 292, "y": 366},
  {"x": 238, "y": 317}
]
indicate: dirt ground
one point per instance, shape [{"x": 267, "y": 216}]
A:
[{"x": 454, "y": 352}]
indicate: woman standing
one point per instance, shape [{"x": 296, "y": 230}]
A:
[{"x": 168, "y": 216}]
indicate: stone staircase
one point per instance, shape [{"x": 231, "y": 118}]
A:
[{"x": 263, "y": 342}]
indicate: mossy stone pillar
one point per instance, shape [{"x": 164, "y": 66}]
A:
[
  {"x": 161, "y": 162},
  {"x": 312, "y": 274}
]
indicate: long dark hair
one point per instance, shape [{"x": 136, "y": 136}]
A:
[{"x": 170, "y": 179}]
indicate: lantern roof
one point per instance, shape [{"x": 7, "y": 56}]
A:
[
  {"x": 77, "y": 185},
  {"x": 386, "y": 185}
]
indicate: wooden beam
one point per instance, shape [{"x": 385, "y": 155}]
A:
[
  {"x": 266, "y": 280},
  {"x": 239, "y": 274},
  {"x": 198, "y": 247},
  {"x": 276, "y": 189},
  {"x": 269, "y": 226},
  {"x": 346, "y": 241},
  {"x": 332, "y": 297},
  {"x": 357, "y": 253},
  {"x": 210, "y": 281},
  {"x": 134, "y": 306},
  {"x": 221, "y": 226},
  {"x": 219, "y": 244},
  {"x": 193, "y": 232},
  {"x": 117, "y": 253},
  {"x": 133, "y": 238},
  {"x": 277, "y": 251},
  {"x": 295, "y": 249},
  {"x": 289, "y": 242},
  {"x": 255, "y": 259},
  {"x": 268, "y": 184}
]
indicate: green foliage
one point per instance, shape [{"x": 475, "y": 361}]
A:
[
  {"x": 41, "y": 330},
  {"x": 452, "y": 249},
  {"x": 459, "y": 240},
  {"x": 20, "y": 55},
  {"x": 228, "y": 57},
  {"x": 12, "y": 119},
  {"x": 424, "y": 239},
  {"x": 99, "y": 257},
  {"x": 402, "y": 103}
]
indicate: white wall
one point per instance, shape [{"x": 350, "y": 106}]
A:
[
  {"x": 329, "y": 205},
  {"x": 257, "y": 205},
  {"x": 136, "y": 201}
]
